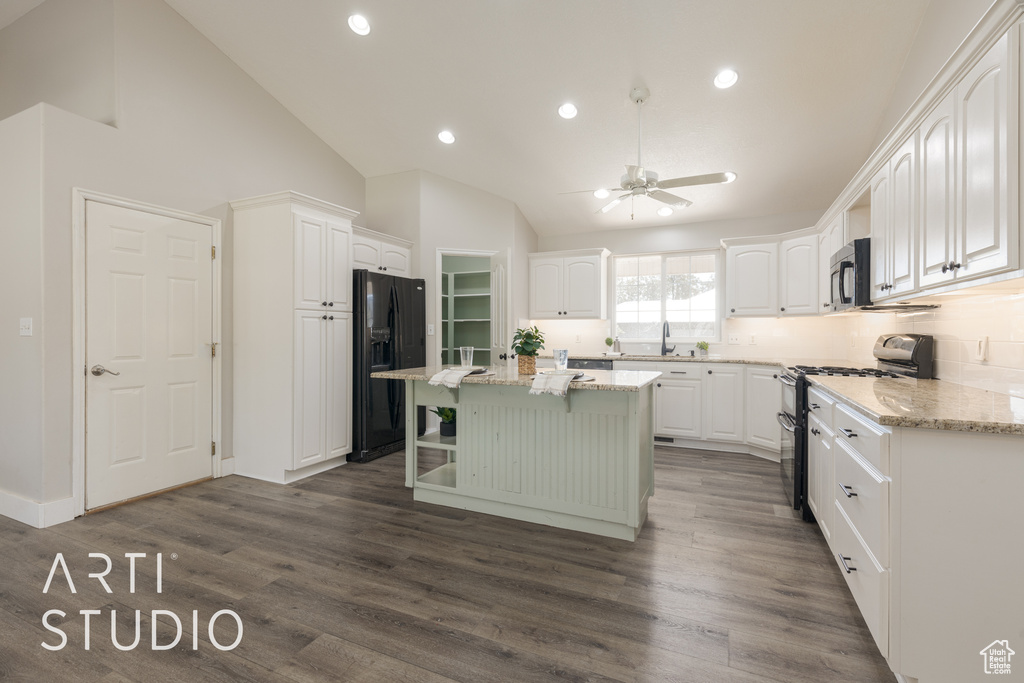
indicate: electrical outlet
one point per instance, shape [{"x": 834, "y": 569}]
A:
[
  {"x": 579, "y": 338},
  {"x": 25, "y": 327},
  {"x": 981, "y": 351},
  {"x": 853, "y": 342},
  {"x": 430, "y": 330},
  {"x": 734, "y": 339}
]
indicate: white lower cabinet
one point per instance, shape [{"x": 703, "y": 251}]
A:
[
  {"x": 819, "y": 474},
  {"x": 764, "y": 400},
  {"x": 323, "y": 387},
  {"x": 867, "y": 578},
  {"x": 678, "y": 408},
  {"x": 723, "y": 400}
]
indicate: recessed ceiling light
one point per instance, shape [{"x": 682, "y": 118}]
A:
[
  {"x": 601, "y": 194},
  {"x": 567, "y": 111},
  {"x": 446, "y": 136},
  {"x": 729, "y": 176},
  {"x": 665, "y": 211},
  {"x": 726, "y": 78},
  {"x": 359, "y": 24}
]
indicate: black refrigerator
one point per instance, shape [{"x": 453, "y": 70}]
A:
[{"x": 389, "y": 324}]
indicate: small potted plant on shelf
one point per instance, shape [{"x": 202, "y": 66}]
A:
[
  {"x": 609, "y": 342},
  {"x": 447, "y": 416},
  {"x": 702, "y": 348},
  {"x": 525, "y": 344}
]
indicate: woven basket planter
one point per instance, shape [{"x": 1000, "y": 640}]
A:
[{"x": 527, "y": 365}]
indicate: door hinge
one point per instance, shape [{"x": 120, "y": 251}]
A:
[
  {"x": 213, "y": 349},
  {"x": 213, "y": 448},
  {"x": 213, "y": 252}
]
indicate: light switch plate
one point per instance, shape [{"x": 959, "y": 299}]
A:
[
  {"x": 430, "y": 330},
  {"x": 25, "y": 327}
]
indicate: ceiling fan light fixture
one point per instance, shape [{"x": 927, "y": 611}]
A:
[
  {"x": 359, "y": 24},
  {"x": 601, "y": 194},
  {"x": 665, "y": 211},
  {"x": 446, "y": 136},
  {"x": 567, "y": 111},
  {"x": 726, "y": 78},
  {"x": 729, "y": 176}
]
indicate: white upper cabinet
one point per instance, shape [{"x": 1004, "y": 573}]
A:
[
  {"x": 894, "y": 225},
  {"x": 880, "y": 233},
  {"x": 322, "y": 274},
  {"x": 798, "y": 276},
  {"x": 569, "y": 284},
  {"x": 377, "y": 251},
  {"x": 938, "y": 217},
  {"x": 751, "y": 277},
  {"x": 831, "y": 239}
]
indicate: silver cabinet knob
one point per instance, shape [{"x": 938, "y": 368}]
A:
[{"x": 99, "y": 370}]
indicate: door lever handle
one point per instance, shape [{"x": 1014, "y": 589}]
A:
[{"x": 99, "y": 370}]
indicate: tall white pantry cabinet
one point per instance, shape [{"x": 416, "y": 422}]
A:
[{"x": 293, "y": 336}]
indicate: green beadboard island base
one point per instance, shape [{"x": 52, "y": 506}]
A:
[{"x": 584, "y": 462}]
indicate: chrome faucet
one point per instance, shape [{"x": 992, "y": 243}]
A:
[{"x": 665, "y": 350}]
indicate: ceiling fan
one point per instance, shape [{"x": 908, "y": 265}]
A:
[{"x": 639, "y": 181}]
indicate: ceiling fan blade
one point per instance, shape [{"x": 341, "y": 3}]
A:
[
  {"x": 613, "y": 203},
  {"x": 705, "y": 179},
  {"x": 606, "y": 189},
  {"x": 668, "y": 198}
]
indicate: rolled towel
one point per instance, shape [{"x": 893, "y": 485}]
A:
[
  {"x": 451, "y": 377},
  {"x": 553, "y": 384}
]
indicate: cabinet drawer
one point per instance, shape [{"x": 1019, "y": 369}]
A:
[
  {"x": 821, "y": 405},
  {"x": 867, "y": 580},
  {"x": 863, "y": 494},
  {"x": 866, "y": 438}
]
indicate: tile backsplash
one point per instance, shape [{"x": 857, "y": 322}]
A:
[{"x": 958, "y": 326}]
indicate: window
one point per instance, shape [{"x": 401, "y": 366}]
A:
[{"x": 681, "y": 288}]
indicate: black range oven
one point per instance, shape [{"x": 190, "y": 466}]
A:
[{"x": 793, "y": 419}]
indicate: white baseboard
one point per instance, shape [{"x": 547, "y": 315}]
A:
[{"x": 38, "y": 515}]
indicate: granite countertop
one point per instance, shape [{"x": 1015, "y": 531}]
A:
[
  {"x": 715, "y": 358},
  {"x": 604, "y": 380},
  {"x": 928, "y": 404}
]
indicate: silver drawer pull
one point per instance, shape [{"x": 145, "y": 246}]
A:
[
  {"x": 677, "y": 372},
  {"x": 847, "y": 491},
  {"x": 847, "y": 567},
  {"x": 848, "y": 432}
]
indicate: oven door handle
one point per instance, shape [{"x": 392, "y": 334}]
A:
[
  {"x": 786, "y": 421},
  {"x": 787, "y": 380}
]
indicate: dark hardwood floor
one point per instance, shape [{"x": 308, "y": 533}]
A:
[{"x": 342, "y": 577}]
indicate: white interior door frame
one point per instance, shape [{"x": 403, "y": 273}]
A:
[
  {"x": 438, "y": 303},
  {"x": 79, "y": 197}
]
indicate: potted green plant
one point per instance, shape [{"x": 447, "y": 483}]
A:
[
  {"x": 447, "y": 416},
  {"x": 702, "y": 348},
  {"x": 525, "y": 344},
  {"x": 609, "y": 342}
]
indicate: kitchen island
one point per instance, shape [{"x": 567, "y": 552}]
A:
[{"x": 583, "y": 462}]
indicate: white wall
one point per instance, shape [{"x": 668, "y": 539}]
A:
[{"x": 193, "y": 132}]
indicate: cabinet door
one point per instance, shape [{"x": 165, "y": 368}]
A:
[
  {"x": 339, "y": 271},
  {"x": 723, "y": 403},
  {"x": 798, "y": 281},
  {"x": 338, "y": 376},
  {"x": 819, "y": 474},
  {"x": 545, "y": 287},
  {"x": 751, "y": 277},
  {"x": 366, "y": 253},
  {"x": 984, "y": 163},
  {"x": 764, "y": 401},
  {"x": 903, "y": 216},
  {"x": 396, "y": 260},
  {"x": 309, "y": 235},
  {"x": 309, "y": 395},
  {"x": 824, "y": 274},
  {"x": 880, "y": 234},
  {"x": 582, "y": 293},
  {"x": 677, "y": 408},
  {"x": 937, "y": 237}
]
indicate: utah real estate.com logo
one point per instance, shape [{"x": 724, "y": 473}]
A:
[{"x": 997, "y": 657}]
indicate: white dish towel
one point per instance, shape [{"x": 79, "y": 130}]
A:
[
  {"x": 451, "y": 377},
  {"x": 552, "y": 384}
]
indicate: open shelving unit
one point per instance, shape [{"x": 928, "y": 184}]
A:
[{"x": 466, "y": 309}]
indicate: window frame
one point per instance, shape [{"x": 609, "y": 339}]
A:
[{"x": 664, "y": 256}]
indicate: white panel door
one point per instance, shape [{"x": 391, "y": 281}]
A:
[
  {"x": 751, "y": 276},
  {"x": 723, "y": 403},
  {"x": 149, "y": 318},
  {"x": 338, "y": 268},
  {"x": 338, "y": 415},
  {"x": 366, "y": 253},
  {"x": 309, "y": 393},
  {"x": 985, "y": 160},
  {"x": 937, "y": 234},
  {"x": 581, "y": 286},
  {"x": 677, "y": 408},
  {"x": 395, "y": 260},
  {"x": 798, "y": 282},
  {"x": 501, "y": 306},
  {"x": 310, "y": 272},
  {"x": 764, "y": 401},
  {"x": 545, "y": 287},
  {"x": 903, "y": 226}
]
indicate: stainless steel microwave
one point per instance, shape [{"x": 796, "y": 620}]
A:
[{"x": 851, "y": 276}]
